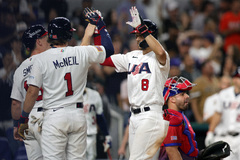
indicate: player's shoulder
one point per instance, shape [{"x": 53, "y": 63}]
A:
[
  {"x": 23, "y": 65},
  {"x": 135, "y": 52},
  {"x": 175, "y": 118},
  {"x": 226, "y": 91}
]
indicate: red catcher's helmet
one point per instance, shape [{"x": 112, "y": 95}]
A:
[{"x": 175, "y": 85}]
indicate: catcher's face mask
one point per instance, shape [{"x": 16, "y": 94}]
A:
[{"x": 175, "y": 85}]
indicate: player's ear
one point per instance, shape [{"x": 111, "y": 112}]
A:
[{"x": 172, "y": 99}]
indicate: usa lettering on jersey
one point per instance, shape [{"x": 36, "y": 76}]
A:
[
  {"x": 138, "y": 69},
  {"x": 68, "y": 61}
]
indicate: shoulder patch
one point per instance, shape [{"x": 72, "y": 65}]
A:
[{"x": 99, "y": 48}]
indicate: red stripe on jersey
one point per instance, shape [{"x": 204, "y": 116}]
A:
[{"x": 108, "y": 62}]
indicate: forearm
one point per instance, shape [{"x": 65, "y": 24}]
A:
[
  {"x": 196, "y": 113},
  {"x": 157, "y": 48},
  {"x": 214, "y": 121},
  {"x": 106, "y": 42},
  {"x": 88, "y": 35},
  {"x": 101, "y": 121},
  {"x": 30, "y": 99},
  {"x": 125, "y": 137},
  {"x": 173, "y": 153},
  {"x": 16, "y": 109}
]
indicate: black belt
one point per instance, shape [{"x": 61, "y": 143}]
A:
[
  {"x": 231, "y": 134},
  {"x": 138, "y": 110},
  {"x": 78, "y": 105}
]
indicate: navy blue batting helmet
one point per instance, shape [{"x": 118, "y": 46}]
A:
[
  {"x": 175, "y": 85},
  {"x": 33, "y": 33},
  {"x": 60, "y": 28}
]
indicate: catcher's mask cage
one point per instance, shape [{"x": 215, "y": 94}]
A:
[{"x": 175, "y": 85}]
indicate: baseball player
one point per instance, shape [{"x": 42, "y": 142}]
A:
[
  {"x": 62, "y": 73},
  {"x": 148, "y": 70},
  {"x": 228, "y": 115},
  {"x": 212, "y": 101},
  {"x": 93, "y": 109},
  {"x": 180, "y": 141},
  {"x": 35, "y": 41}
]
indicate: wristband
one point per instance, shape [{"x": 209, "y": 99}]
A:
[{"x": 25, "y": 114}]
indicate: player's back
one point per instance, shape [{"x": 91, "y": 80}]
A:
[
  {"x": 20, "y": 82},
  {"x": 64, "y": 73}
]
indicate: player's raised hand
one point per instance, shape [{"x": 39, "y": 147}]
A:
[
  {"x": 136, "y": 21},
  {"x": 108, "y": 143},
  {"x": 22, "y": 126},
  {"x": 94, "y": 18}
]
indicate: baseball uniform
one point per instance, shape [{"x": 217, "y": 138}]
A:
[
  {"x": 33, "y": 139},
  {"x": 62, "y": 73},
  {"x": 180, "y": 133},
  {"x": 92, "y": 106},
  {"x": 230, "y": 120},
  {"x": 146, "y": 78}
]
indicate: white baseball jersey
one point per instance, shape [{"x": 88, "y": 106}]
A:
[
  {"x": 92, "y": 106},
  {"x": 146, "y": 76},
  {"x": 62, "y": 73},
  {"x": 19, "y": 90},
  {"x": 210, "y": 105},
  {"x": 230, "y": 109},
  {"x": 20, "y": 78}
]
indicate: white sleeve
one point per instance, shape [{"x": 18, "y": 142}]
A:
[
  {"x": 121, "y": 62},
  {"x": 210, "y": 106},
  {"x": 36, "y": 78},
  {"x": 99, "y": 104},
  {"x": 95, "y": 54},
  {"x": 16, "y": 90},
  {"x": 219, "y": 106}
]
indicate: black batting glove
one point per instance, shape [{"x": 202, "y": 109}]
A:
[{"x": 94, "y": 18}]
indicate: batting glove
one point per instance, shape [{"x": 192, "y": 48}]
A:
[
  {"x": 22, "y": 126},
  {"x": 209, "y": 138},
  {"x": 94, "y": 18},
  {"x": 108, "y": 143},
  {"x": 137, "y": 22}
]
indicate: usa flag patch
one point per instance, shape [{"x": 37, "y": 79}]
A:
[
  {"x": 99, "y": 48},
  {"x": 173, "y": 138}
]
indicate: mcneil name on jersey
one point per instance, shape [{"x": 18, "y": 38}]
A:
[{"x": 68, "y": 61}]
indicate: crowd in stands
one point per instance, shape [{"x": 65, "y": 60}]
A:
[{"x": 202, "y": 38}]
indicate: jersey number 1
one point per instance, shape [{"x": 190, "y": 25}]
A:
[{"x": 68, "y": 78}]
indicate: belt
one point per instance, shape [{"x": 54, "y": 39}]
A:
[
  {"x": 40, "y": 109},
  {"x": 233, "y": 134},
  {"x": 139, "y": 110}
]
